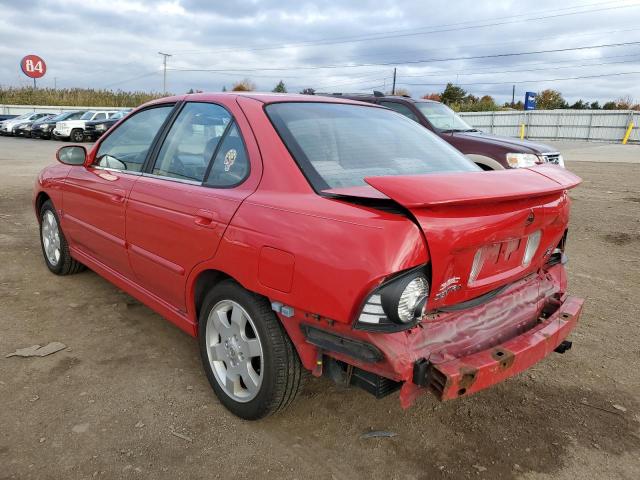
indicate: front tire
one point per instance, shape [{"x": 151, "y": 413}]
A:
[
  {"x": 77, "y": 135},
  {"x": 247, "y": 356},
  {"x": 54, "y": 245}
]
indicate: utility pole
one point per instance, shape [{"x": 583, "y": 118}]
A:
[
  {"x": 164, "y": 65},
  {"x": 393, "y": 88},
  {"x": 55, "y": 83},
  {"x": 513, "y": 96}
]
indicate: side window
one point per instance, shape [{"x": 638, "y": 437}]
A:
[
  {"x": 403, "y": 109},
  {"x": 192, "y": 141},
  {"x": 231, "y": 164},
  {"x": 126, "y": 148},
  {"x": 100, "y": 116}
]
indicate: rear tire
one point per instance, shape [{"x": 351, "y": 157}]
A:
[
  {"x": 247, "y": 356},
  {"x": 55, "y": 249}
]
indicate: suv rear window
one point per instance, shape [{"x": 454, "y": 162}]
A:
[{"x": 338, "y": 145}]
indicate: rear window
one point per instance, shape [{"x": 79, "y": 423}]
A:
[{"x": 339, "y": 145}]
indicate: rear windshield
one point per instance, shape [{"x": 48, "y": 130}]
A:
[{"x": 339, "y": 145}]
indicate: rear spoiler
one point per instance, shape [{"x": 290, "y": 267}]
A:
[{"x": 464, "y": 188}]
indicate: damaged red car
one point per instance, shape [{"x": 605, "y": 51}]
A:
[{"x": 294, "y": 233}]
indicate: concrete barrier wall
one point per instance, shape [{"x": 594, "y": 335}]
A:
[
  {"x": 20, "y": 109},
  {"x": 597, "y": 125}
]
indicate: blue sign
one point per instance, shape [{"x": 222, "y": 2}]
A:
[{"x": 530, "y": 101}]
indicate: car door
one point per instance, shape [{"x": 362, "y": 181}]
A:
[
  {"x": 95, "y": 195},
  {"x": 180, "y": 207}
]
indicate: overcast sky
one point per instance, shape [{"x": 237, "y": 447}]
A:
[{"x": 114, "y": 44}]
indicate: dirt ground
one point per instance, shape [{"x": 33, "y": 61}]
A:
[{"x": 108, "y": 406}]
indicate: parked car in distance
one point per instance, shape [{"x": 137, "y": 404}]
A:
[
  {"x": 74, "y": 129},
  {"x": 8, "y": 127},
  {"x": 489, "y": 152},
  {"x": 94, "y": 129},
  {"x": 44, "y": 127},
  {"x": 294, "y": 232}
]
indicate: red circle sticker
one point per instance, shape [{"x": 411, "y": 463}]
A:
[{"x": 33, "y": 66}]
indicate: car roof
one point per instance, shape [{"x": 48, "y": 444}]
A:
[{"x": 264, "y": 97}]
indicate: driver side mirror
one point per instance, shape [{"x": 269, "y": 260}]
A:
[{"x": 72, "y": 155}]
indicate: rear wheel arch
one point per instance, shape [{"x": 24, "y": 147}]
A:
[
  {"x": 204, "y": 282},
  {"x": 208, "y": 279},
  {"x": 484, "y": 162}
]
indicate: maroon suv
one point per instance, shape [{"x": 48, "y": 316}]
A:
[{"x": 490, "y": 152}]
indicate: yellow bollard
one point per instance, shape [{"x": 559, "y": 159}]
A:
[
  {"x": 628, "y": 133},
  {"x": 522, "y": 131}
]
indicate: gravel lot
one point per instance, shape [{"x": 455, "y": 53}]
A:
[{"x": 110, "y": 404}]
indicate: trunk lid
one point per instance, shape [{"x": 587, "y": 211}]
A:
[{"x": 480, "y": 225}]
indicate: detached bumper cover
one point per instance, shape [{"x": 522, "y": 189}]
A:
[{"x": 472, "y": 373}]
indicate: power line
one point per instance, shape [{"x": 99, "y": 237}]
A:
[
  {"x": 443, "y": 73},
  {"x": 434, "y": 29},
  {"x": 126, "y": 80},
  {"x": 528, "y": 81},
  {"x": 410, "y": 62}
]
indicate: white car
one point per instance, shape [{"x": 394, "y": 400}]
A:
[
  {"x": 74, "y": 129},
  {"x": 7, "y": 127}
]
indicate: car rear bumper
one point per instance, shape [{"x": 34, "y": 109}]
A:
[
  {"x": 472, "y": 373},
  {"x": 461, "y": 351}
]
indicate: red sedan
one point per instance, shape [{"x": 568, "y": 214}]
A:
[{"x": 292, "y": 233}]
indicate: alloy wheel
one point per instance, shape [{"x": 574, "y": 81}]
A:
[
  {"x": 234, "y": 351},
  {"x": 51, "y": 237}
]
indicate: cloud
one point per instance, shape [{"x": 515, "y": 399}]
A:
[{"x": 114, "y": 44}]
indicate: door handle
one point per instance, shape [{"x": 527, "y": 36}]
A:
[
  {"x": 206, "y": 218},
  {"x": 118, "y": 195}
]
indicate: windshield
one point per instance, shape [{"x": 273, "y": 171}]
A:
[
  {"x": 340, "y": 145},
  {"x": 443, "y": 118},
  {"x": 68, "y": 116},
  {"x": 87, "y": 116}
]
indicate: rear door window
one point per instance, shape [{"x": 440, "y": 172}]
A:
[{"x": 231, "y": 163}]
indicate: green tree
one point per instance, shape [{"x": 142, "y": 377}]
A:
[
  {"x": 594, "y": 105},
  {"x": 452, "y": 94},
  {"x": 280, "y": 88},
  {"x": 580, "y": 105},
  {"x": 549, "y": 100},
  {"x": 224, "y": 88},
  {"x": 610, "y": 106}
]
